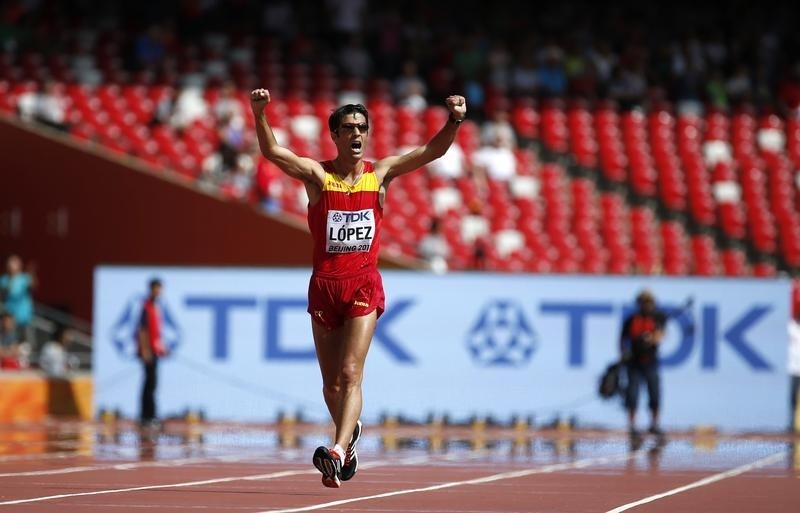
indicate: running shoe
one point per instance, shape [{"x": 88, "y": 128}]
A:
[
  {"x": 350, "y": 465},
  {"x": 636, "y": 439},
  {"x": 657, "y": 432},
  {"x": 329, "y": 463}
]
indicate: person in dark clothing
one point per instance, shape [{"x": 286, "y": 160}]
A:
[
  {"x": 150, "y": 349},
  {"x": 641, "y": 336}
]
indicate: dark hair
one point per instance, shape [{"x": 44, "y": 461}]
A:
[
  {"x": 155, "y": 282},
  {"x": 335, "y": 119},
  {"x": 645, "y": 296},
  {"x": 60, "y": 331}
]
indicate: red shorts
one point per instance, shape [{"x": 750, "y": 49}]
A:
[{"x": 331, "y": 301}]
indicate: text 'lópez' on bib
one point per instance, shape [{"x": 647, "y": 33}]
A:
[{"x": 350, "y": 231}]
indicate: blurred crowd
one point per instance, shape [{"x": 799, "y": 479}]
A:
[
  {"x": 17, "y": 350},
  {"x": 16, "y": 303},
  {"x": 630, "y": 52},
  {"x": 692, "y": 57}
]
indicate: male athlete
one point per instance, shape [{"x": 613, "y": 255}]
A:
[{"x": 345, "y": 294}]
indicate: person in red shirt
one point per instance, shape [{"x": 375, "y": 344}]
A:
[
  {"x": 641, "y": 337},
  {"x": 346, "y": 297},
  {"x": 150, "y": 348}
]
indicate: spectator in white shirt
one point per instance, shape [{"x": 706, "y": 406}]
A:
[
  {"x": 409, "y": 88},
  {"x": 433, "y": 248},
  {"x": 54, "y": 359},
  {"x": 499, "y": 128},
  {"x": 450, "y": 165},
  {"x": 495, "y": 162}
]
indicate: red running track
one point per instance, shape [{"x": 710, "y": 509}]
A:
[{"x": 248, "y": 469}]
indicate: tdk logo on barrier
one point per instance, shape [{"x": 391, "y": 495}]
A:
[
  {"x": 502, "y": 336},
  {"x": 124, "y": 331},
  {"x": 219, "y": 311},
  {"x": 502, "y": 333}
]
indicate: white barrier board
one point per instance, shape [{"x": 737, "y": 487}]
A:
[{"x": 461, "y": 344}]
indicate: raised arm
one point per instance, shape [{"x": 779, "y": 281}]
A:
[
  {"x": 302, "y": 168},
  {"x": 394, "y": 166}
]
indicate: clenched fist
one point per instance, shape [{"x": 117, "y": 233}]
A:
[
  {"x": 259, "y": 98},
  {"x": 457, "y": 106}
]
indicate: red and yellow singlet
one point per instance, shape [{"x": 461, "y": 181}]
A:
[{"x": 345, "y": 224}]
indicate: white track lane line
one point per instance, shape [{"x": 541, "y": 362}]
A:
[
  {"x": 42, "y": 457},
  {"x": 703, "y": 482},
  {"x": 273, "y": 475},
  {"x": 231, "y": 458},
  {"x": 547, "y": 469},
  {"x": 226, "y": 458}
]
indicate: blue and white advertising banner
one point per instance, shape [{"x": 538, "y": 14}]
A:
[{"x": 460, "y": 344}]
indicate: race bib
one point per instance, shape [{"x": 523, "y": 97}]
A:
[{"x": 350, "y": 232}]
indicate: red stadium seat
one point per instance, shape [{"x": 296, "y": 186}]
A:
[{"x": 602, "y": 216}]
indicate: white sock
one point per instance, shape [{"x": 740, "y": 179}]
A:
[{"x": 338, "y": 449}]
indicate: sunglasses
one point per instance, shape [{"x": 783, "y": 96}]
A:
[{"x": 350, "y": 127}]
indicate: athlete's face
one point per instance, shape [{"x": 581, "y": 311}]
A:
[
  {"x": 351, "y": 136},
  {"x": 155, "y": 291},
  {"x": 647, "y": 305}
]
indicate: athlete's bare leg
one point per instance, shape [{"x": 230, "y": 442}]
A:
[
  {"x": 341, "y": 354},
  {"x": 328, "y": 355}
]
